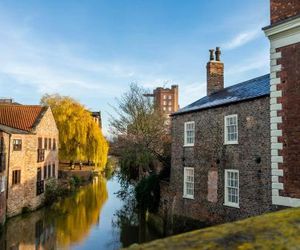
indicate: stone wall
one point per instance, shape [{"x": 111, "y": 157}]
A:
[
  {"x": 281, "y": 10},
  {"x": 25, "y": 193},
  {"x": 210, "y": 157}
]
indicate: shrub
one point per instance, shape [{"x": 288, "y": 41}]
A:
[
  {"x": 54, "y": 192},
  {"x": 147, "y": 193},
  {"x": 25, "y": 210}
]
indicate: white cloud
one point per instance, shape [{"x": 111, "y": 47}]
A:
[{"x": 241, "y": 39}]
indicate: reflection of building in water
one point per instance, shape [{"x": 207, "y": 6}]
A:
[
  {"x": 29, "y": 232},
  {"x": 68, "y": 224}
]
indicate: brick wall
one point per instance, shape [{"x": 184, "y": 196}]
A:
[
  {"x": 24, "y": 194},
  {"x": 290, "y": 113},
  {"x": 215, "y": 76},
  {"x": 210, "y": 157},
  {"x": 283, "y": 9}
]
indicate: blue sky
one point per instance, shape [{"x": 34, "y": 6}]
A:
[{"x": 92, "y": 50}]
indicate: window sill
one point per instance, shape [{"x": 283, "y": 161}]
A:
[
  {"x": 188, "y": 197},
  {"x": 232, "y": 205},
  {"x": 231, "y": 143},
  {"x": 188, "y": 145}
]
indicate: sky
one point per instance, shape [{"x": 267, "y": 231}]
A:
[{"x": 92, "y": 50}]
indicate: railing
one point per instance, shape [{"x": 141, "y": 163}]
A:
[
  {"x": 2, "y": 161},
  {"x": 41, "y": 155},
  {"x": 39, "y": 187}
]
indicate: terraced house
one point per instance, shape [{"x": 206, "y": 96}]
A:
[
  {"x": 236, "y": 152},
  {"x": 29, "y": 156},
  {"x": 220, "y": 150}
]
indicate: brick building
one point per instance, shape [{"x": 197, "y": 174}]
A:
[
  {"x": 221, "y": 150},
  {"x": 30, "y": 145},
  {"x": 166, "y": 99},
  {"x": 284, "y": 36},
  {"x": 97, "y": 118}
]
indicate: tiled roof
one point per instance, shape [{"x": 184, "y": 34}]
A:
[
  {"x": 23, "y": 117},
  {"x": 250, "y": 89}
]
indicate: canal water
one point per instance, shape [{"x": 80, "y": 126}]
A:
[{"x": 94, "y": 218}]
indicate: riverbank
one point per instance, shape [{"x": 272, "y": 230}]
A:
[{"x": 278, "y": 230}]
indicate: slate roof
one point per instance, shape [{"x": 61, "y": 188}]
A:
[
  {"x": 22, "y": 117},
  {"x": 247, "y": 90}
]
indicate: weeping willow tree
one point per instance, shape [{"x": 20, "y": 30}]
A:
[{"x": 79, "y": 136}]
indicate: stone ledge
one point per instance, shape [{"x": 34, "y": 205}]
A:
[{"x": 261, "y": 232}]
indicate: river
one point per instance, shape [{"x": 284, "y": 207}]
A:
[{"x": 94, "y": 218}]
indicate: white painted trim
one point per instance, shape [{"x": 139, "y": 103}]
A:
[
  {"x": 226, "y": 202},
  {"x": 226, "y": 142},
  {"x": 285, "y": 201},
  {"x": 282, "y": 27},
  {"x": 185, "y": 137},
  {"x": 184, "y": 183}
]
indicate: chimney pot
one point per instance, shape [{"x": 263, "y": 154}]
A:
[
  {"x": 218, "y": 54},
  {"x": 211, "y": 57},
  {"x": 215, "y": 72}
]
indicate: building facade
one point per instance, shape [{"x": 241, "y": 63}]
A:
[
  {"x": 221, "y": 150},
  {"x": 284, "y": 36},
  {"x": 4, "y": 140},
  {"x": 165, "y": 99},
  {"x": 31, "y": 146}
]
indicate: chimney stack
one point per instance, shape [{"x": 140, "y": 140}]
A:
[{"x": 215, "y": 72}]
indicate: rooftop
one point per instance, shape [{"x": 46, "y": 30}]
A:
[
  {"x": 21, "y": 117},
  {"x": 254, "y": 88}
]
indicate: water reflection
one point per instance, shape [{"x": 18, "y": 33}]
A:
[
  {"x": 68, "y": 223},
  {"x": 94, "y": 218}
]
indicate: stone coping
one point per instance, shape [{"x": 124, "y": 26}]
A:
[{"x": 278, "y": 230}]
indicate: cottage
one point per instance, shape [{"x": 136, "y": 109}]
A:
[
  {"x": 29, "y": 153},
  {"x": 221, "y": 150}
]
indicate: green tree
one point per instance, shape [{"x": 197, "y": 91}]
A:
[
  {"x": 80, "y": 138},
  {"x": 141, "y": 132}
]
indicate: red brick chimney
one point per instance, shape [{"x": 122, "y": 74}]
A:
[
  {"x": 215, "y": 72},
  {"x": 283, "y": 9}
]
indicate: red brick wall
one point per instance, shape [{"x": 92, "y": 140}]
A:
[
  {"x": 283, "y": 9},
  {"x": 215, "y": 76},
  {"x": 290, "y": 86}
]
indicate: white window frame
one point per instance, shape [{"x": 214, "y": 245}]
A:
[
  {"x": 226, "y": 197},
  {"x": 185, "y": 195},
  {"x": 3, "y": 184},
  {"x": 186, "y": 143},
  {"x": 226, "y": 141}
]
